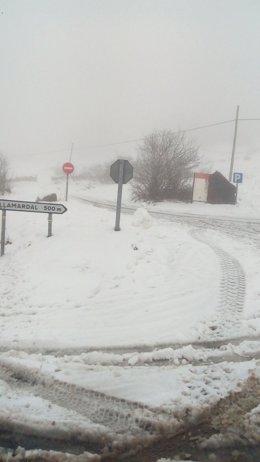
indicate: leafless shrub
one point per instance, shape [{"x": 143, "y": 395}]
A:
[
  {"x": 4, "y": 180},
  {"x": 164, "y": 167}
]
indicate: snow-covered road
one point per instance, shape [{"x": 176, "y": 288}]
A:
[{"x": 108, "y": 336}]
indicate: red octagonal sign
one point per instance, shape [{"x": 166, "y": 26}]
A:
[{"x": 68, "y": 168}]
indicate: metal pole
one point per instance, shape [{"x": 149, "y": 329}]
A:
[
  {"x": 49, "y": 224},
  {"x": 3, "y": 232},
  {"x": 234, "y": 146},
  {"x": 71, "y": 151},
  {"x": 236, "y": 192},
  {"x": 119, "y": 194},
  {"x": 67, "y": 187}
]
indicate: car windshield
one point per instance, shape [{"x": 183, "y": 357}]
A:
[{"x": 130, "y": 223}]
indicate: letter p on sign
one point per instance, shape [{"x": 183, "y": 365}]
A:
[{"x": 237, "y": 177}]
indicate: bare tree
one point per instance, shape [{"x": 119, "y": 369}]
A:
[
  {"x": 4, "y": 181},
  {"x": 164, "y": 166}
]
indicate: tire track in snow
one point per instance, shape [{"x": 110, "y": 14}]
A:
[
  {"x": 231, "y": 294},
  {"x": 121, "y": 416},
  {"x": 232, "y": 284},
  {"x": 245, "y": 229}
]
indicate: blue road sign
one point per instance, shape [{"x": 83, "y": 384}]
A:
[{"x": 237, "y": 177}]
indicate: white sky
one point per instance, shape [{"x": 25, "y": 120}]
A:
[{"x": 98, "y": 71}]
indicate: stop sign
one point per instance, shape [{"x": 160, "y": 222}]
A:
[
  {"x": 68, "y": 168},
  {"x": 127, "y": 171}
]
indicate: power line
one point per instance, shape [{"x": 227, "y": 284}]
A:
[
  {"x": 135, "y": 140},
  {"x": 248, "y": 119},
  {"x": 207, "y": 126},
  {"x": 50, "y": 151},
  {"x": 141, "y": 139},
  {"x": 109, "y": 144}
]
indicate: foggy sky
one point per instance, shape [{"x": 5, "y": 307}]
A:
[{"x": 96, "y": 72}]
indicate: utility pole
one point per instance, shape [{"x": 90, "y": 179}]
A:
[{"x": 234, "y": 146}]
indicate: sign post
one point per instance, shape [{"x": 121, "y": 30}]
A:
[
  {"x": 119, "y": 194},
  {"x": 68, "y": 168},
  {"x": 3, "y": 232},
  {"x": 121, "y": 172},
  {"x": 49, "y": 225},
  {"x": 25, "y": 206},
  {"x": 237, "y": 178}
]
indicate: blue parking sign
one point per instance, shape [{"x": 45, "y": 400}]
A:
[{"x": 237, "y": 177}]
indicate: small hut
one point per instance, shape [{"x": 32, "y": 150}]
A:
[
  {"x": 213, "y": 188},
  {"x": 220, "y": 190}
]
